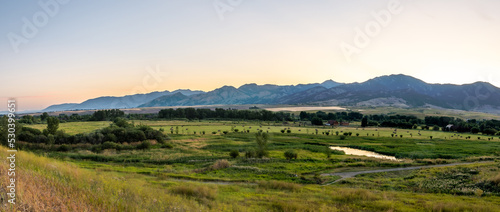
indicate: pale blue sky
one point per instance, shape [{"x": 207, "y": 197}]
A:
[{"x": 97, "y": 48}]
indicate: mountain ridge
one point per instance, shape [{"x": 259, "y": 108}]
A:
[{"x": 397, "y": 90}]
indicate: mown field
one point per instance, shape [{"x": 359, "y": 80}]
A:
[{"x": 197, "y": 173}]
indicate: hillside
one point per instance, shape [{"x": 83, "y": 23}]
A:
[
  {"x": 393, "y": 90},
  {"x": 110, "y": 102}
]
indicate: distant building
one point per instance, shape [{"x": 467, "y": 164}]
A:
[
  {"x": 449, "y": 127},
  {"x": 332, "y": 123},
  {"x": 344, "y": 124}
]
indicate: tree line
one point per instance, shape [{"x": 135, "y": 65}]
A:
[
  {"x": 488, "y": 127},
  {"x": 120, "y": 131},
  {"x": 220, "y": 113}
]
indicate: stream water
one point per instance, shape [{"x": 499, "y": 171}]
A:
[{"x": 351, "y": 151}]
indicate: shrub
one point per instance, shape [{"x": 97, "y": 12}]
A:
[
  {"x": 108, "y": 145},
  {"x": 63, "y": 148},
  {"x": 135, "y": 135},
  {"x": 346, "y": 134},
  {"x": 160, "y": 138},
  {"x": 282, "y": 131},
  {"x": 250, "y": 154},
  {"x": 120, "y": 122},
  {"x": 234, "y": 153},
  {"x": 261, "y": 140},
  {"x": 316, "y": 121},
  {"x": 220, "y": 164},
  {"x": 144, "y": 145},
  {"x": 214, "y": 132},
  {"x": 342, "y": 137},
  {"x": 490, "y": 131},
  {"x": 225, "y": 132},
  {"x": 166, "y": 146},
  {"x": 290, "y": 154},
  {"x": 496, "y": 180},
  {"x": 31, "y": 130},
  {"x": 328, "y": 151},
  {"x": 336, "y": 132},
  {"x": 27, "y": 136},
  {"x": 357, "y": 134},
  {"x": 96, "y": 149},
  {"x": 110, "y": 137},
  {"x": 337, "y": 152}
]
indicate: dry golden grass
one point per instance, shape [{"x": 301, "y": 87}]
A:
[
  {"x": 496, "y": 179},
  {"x": 38, "y": 193},
  {"x": 279, "y": 185},
  {"x": 45, "y": 184},
  {"x": 199, "y": 192},
  {"x": 221, "y": 164}
]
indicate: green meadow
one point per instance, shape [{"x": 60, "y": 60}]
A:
[{"x": 196, "y": 172}]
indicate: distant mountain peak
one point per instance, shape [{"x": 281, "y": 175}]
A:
[
  {"x": 330, "y": 84},
  {"x": 225, "y": 88},
  {"x": 406, "y": 91}
]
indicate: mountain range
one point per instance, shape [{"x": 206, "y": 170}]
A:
[{"x": 393, "y": 90}]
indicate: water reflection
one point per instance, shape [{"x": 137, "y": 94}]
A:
[{"x": 351, "y": 151}]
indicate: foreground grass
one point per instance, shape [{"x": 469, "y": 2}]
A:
[
  {"x": 45, "y": 184},
  {"x": 161, "y": 179},
  {"x": 50, "y": 185}
]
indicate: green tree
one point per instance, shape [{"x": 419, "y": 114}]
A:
[
  {"x": 144, "y": 145},
  {"x": 316, "y": 121},
  {"x": 44, "y": 116},
  {"x": 261, "y": 140},
  {"x": 328, "y": 151},
  {"x": 234, "y": 153},
  {"x": 364, "y": 121},
  {"x": 27, "y": 119},
  {"x": 120, "y": 122},
  {"x": 52, "y": 125},
  {"x": 290, "y": 154},
  {"x": 490, "y": 131}
]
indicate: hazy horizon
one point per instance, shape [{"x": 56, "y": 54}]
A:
[
  {"x": 236, "y": 86},
  {"x": 56, "y": 52}
]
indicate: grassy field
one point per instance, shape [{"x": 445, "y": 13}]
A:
[
  {"x": 198, "y": 173},
  {"x": 54, "y": 185},
  {"x": 75, "y": 127},
  {"x": 423, "y": 112},
  {"x": 209, "y": 127}
]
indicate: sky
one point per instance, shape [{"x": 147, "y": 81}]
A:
[{"x": 68, "y": 51}]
